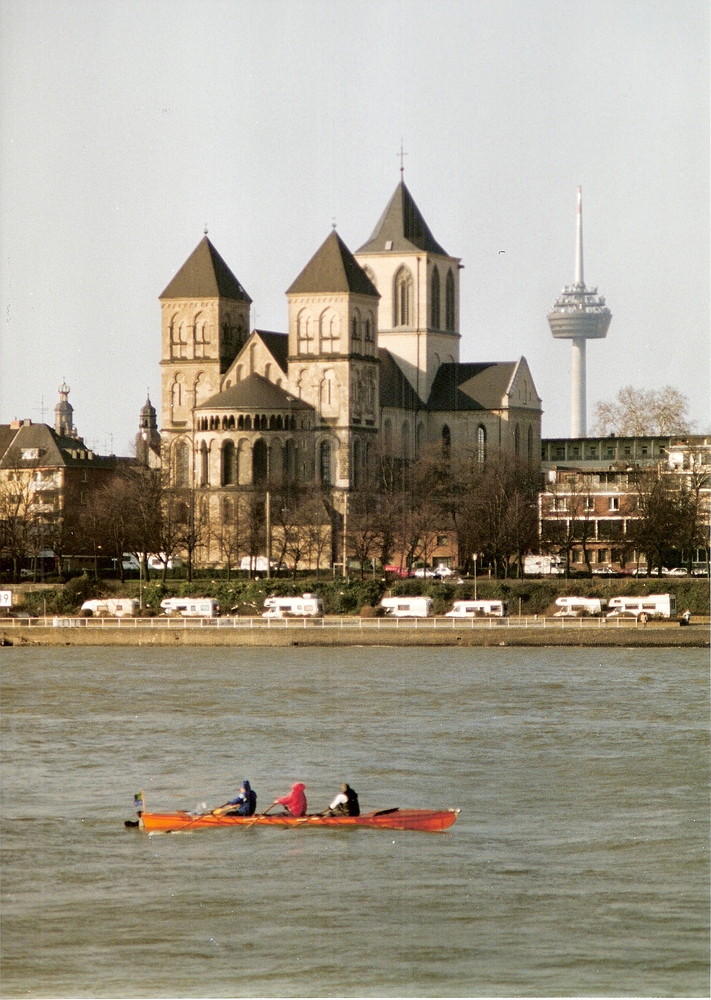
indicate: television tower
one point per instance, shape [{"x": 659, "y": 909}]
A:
[{"x": 579, "y": 314}]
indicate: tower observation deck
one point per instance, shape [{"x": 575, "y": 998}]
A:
[{"x": 579, "y": 314}]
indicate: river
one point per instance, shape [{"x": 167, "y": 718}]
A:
[{"x": 578, "y": 865}]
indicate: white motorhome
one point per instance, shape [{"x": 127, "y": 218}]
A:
[
  {"x": 306, "y": 606},
  {"x": 190, "y": 607},
  {"x": 407, "y": 607},
  {"x": 479, "y": 609},
  {"x": 543, "y": 565},
  {"x": 576, "y": 607},
  {"x": 651, "y": 605},
  {"x": 117, "y": 607}
]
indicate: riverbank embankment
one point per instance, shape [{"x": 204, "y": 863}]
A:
[{"x": 334, "y": 635}]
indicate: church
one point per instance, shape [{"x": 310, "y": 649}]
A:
[{"x": 370, "y": 361}]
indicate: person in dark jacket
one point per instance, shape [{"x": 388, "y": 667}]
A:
[
  {"x": 246, "y": 802},
  {"x": 345, "y": 803}
]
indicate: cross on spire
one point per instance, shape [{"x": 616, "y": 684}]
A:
[{"x": 402, "y": 154}]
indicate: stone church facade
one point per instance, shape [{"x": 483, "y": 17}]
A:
[{"x": 370, "y": 360}]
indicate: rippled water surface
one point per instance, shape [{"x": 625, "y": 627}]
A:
[{"x": 578, "y": 865}]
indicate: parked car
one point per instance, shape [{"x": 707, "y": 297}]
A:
[
  {"x": 676, "y": 571},
  {"x": 423, "y": 573},
  {"x": 401, "y": 571},
  {"x": 700, "y": 571},
  {"x": 604, "y": 571}
]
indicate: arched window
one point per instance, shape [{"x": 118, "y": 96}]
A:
[
  {"x": 330, "y": 332},
  {"x": 517, "y": 441},
  {"x": 356, "y": 478},
  {"x": 204, "y": 468},
  {"x": 260, "y": 463},
  {"x": 419, "y": 439},
  {"x": 402, "y": 298},
  {"x": 304, "y": 333},
  {"x": 446, "y": 441},
  {"x": 529, "y": 443},
  {"x": 369, "y": 335},
  {"x": 238, "y": 373},
  {"x": 268, "y": 370},
  {"x": 434, "y": 298},
  {"x": 229, "y": 464},
  {"x": 449, "y": 311},
  {"x": 182, "y": 464},
  {"x": 481, "y": 444},
  {"x": 355, "y": 334},
  {"x": 388, "y": 436},
  {"x": 248, "y": 423},
  {"x": 200, "y": 335},
  {"x": 325, "y": 463},
  {"x": 406, "y": 442},
  {"x": 272, "y": 422}
]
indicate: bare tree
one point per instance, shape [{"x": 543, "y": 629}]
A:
[{"x": 643, "y": 413}]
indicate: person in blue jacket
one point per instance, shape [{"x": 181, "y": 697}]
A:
[{"x": 246, "y": 802}]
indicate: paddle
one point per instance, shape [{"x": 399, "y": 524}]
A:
[{"x": 259, "y": 815}]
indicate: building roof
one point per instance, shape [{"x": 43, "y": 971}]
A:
[
  {"x": 333, "y": 268},
  {"x": 51, "y": 449},
  {"x": 395, "y": 390},
  {"x": 470, "y": 386},
  {"x": 278, "y": 346},
  {"x": 204, "y": 275},
  {"x": 254, "y": 392},
  {"x": 402, "y": 225}
]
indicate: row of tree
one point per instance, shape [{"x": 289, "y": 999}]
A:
[{"x": 398, "y": 514}]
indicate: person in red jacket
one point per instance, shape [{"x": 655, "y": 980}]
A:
[{"x": 295, "y": 801}]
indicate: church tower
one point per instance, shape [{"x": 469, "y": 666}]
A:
[
  {"x": 204, "y": 323},
  {"x": 418, "y": 282},
  {"x": 333, "y": 358},
  {"x": 64, "y": 414},
  {"x": 147, "y": 440}
]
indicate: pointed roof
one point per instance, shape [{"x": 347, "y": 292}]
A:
[
  {"x": 333, "y": 268},
  {"x": 395, "y": 389},
  {"x": 471, "y": 385},
  {"x": 254, "y": 391},
  {"x": 204, "y": 275},
  {"x": 402, "y": 225}
]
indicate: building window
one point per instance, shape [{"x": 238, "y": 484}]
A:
[
  {"x": 355, "y": 335},
  {"x": 182, "y": 464},
  {"x": 589, "y": 503},
  {"x": 260, "y": 462},
  {"x": 304, "y": 333},
  {"x": 446, "y": 441},
  {"x": 357, "y": 464},
  {"x": 204, "y": 474},
  {"x": 402, "y": 298},
  {"x": 481, "y": 444},
  {"x": 449, "y": 302},
  {"x": 613, "y": 503},
  {"x": 325, "y": 463},
  {"x": 229, "y": 465},
  {"x": 434, "y": 299},
  {"x": 442, "y": 540},
  {"x": 330, "y": 332},
  {"x": 517, "y": 441}
]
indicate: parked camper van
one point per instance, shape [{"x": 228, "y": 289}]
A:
[
  {"x": 651, "y": 605},
  {"x": 306, "y": 606},
  {"x": 190, "y": 607},
  {"x": 117, "y": 607},
  {"x": 407, "y": 607},
  {"x": 577, "y": 607},
  {"x": 479, "y": 609}
]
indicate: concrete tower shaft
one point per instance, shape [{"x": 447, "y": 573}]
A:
[{"x": 579, "y": 314}]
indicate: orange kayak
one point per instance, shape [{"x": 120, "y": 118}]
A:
[{"x": 431, "y": 820}]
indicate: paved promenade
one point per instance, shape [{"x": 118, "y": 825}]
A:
[{"x": 350, "y": 632}]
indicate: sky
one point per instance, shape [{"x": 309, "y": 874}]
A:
[{"x": 127, "y": 126}]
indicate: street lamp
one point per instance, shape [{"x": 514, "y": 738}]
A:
[{"x": 475, "y": 556}]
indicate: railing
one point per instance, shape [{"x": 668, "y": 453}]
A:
[{"x": 362, "y": 624}]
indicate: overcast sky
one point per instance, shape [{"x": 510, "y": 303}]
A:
[{"x": 127, "y": 126}]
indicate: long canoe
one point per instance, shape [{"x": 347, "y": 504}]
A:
[{"x": 431, "y": 820}]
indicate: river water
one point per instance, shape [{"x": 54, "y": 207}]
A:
[{"x": 578, "y": 865}]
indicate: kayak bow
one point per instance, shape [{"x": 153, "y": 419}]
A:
[{"x": 430, "y": 820}]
